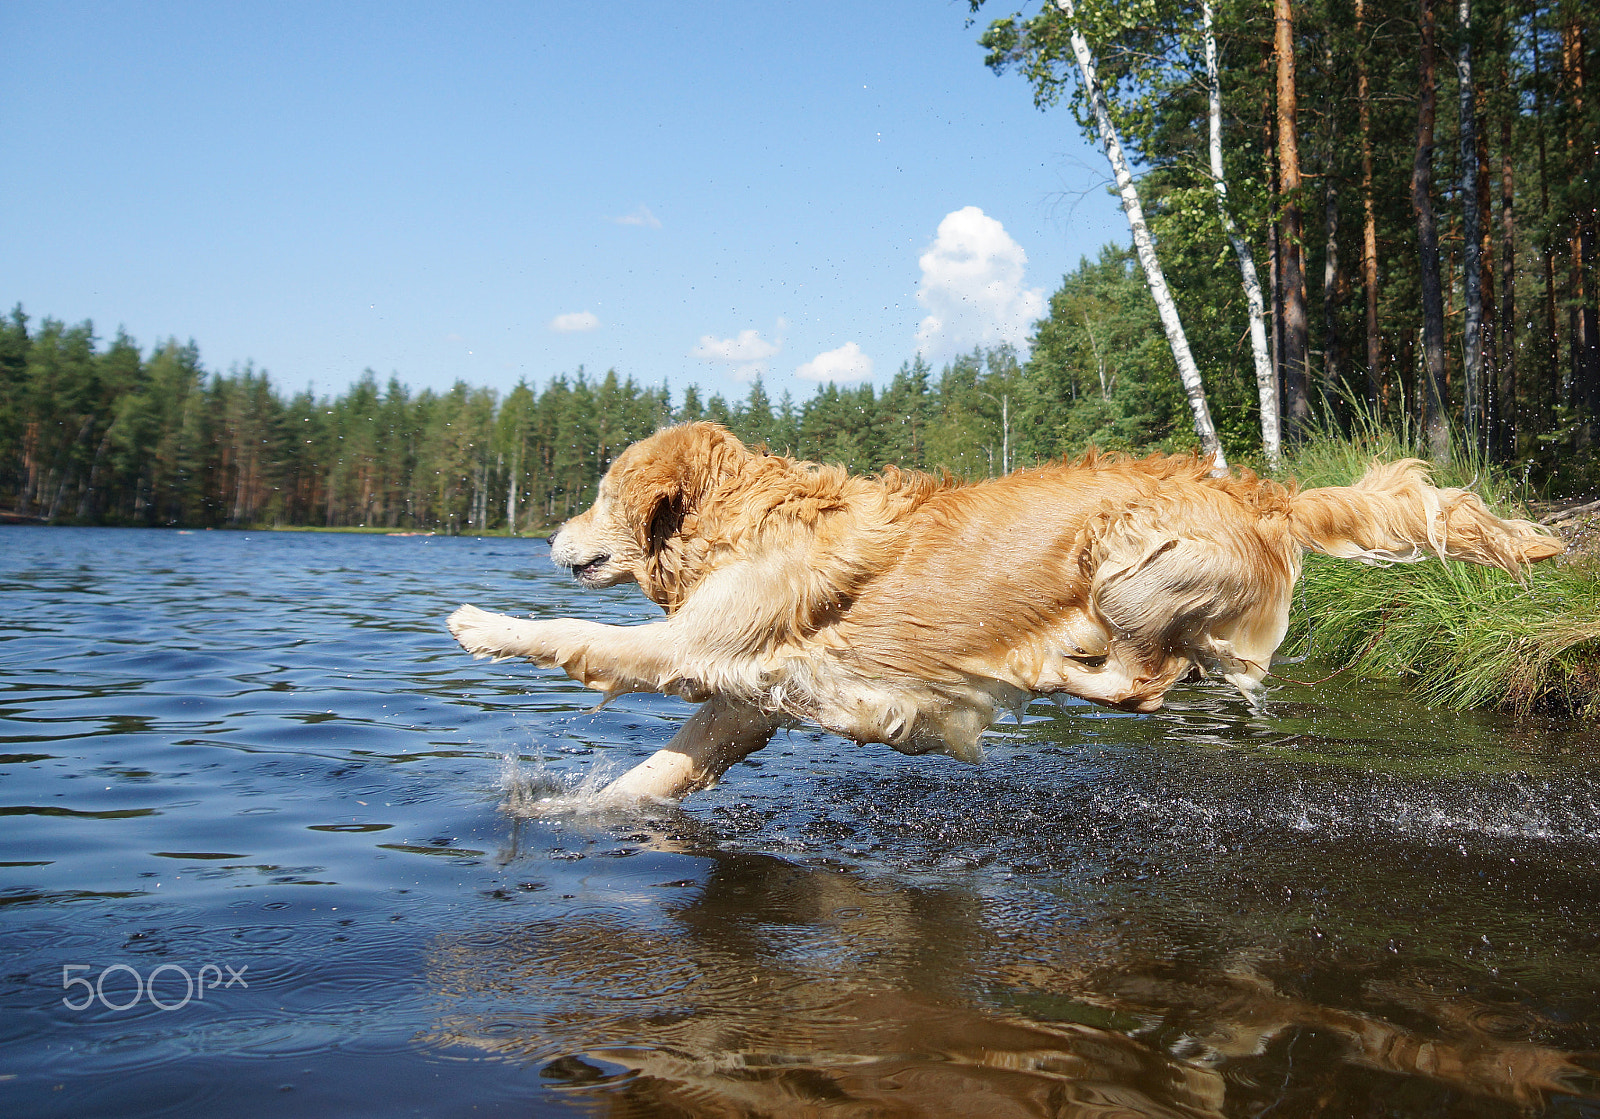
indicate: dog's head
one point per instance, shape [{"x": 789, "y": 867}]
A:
[{"x": 635, "y": 529}]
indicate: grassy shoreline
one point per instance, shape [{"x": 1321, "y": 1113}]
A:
[{"x": 1465, "y": 637}]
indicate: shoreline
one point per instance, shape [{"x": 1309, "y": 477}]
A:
[{"x": 347, "y": 530}]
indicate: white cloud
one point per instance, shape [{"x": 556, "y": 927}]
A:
[
  {"x": 574, "y": 321},
  {"x": 748, "y": 352},
  {"x": 642, "y": 217},
  {"x": 972, "y": 288},
  {"x": 847, "y": 363}
]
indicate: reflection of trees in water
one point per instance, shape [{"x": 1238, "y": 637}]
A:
[{"x": 784, "y": 989}]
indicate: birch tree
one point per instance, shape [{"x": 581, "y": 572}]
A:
[
  {"x": 1047, "y": 85},
  {"x": 1152, "y": 65},
  {"x": 1266, "y": 378},
  {"x": 1144, "y": 245}
]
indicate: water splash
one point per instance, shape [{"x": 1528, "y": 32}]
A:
[{"x": 535, "y": 791}]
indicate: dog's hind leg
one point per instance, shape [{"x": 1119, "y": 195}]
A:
[
  {"x": 1173, "y": 594},
  {"x": 722, "y": 732}
]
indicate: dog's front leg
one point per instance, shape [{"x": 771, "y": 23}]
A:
[
  {"x": 721, "y": 733},
  {"x": 611, "y": 659}
]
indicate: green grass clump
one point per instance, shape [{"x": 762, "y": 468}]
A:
[
  {"x": 1467, "y": 636},
  {"x": 1470, "y": 637}
]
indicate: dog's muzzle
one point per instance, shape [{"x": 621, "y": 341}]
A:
[
  {"x": 585, "y": 569},
  {"x": 585, "y": 572}
]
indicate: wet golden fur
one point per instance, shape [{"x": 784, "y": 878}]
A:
[{"x": 911, "y": 610}]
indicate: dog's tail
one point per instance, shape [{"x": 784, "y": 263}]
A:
[{"x": 1394, "y": 515}]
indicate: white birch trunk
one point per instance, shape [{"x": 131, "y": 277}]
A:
[
  {"x": 1266, "y": 378},
  {"x": 512, "y": 481},
  {"x": 1188, "y": 371}
]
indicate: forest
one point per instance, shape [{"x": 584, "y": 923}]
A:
[
  {"x": 1363, "y": 214},
  {"x": 1400, "y": 196},
  {"x": 93, "y": 434}
]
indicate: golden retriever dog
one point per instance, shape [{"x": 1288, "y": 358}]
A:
[{"x": 913, "y": 610}]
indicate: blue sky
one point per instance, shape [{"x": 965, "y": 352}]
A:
[{"x": 696, "y": 192}]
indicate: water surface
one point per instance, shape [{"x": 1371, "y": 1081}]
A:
[{"x": 256, "y": 761}]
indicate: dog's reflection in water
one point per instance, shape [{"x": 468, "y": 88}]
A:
[{"x": 772, "y": 988}]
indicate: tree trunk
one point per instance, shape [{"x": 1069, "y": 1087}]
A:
[
  {"x": 1188, "y": 371},
  {"x": 1266, "y": 379},
  {"x": 1554, "y": 387},
  {"x": 512, "y": 482},
  {"x": 1407, "y": 369},
  {"x": 1275, "y": 266},
  {"x": 67, "y": 472},
  {"x": 1435, "y": 425},
  {"x": 1369, "y": 223},
  {"x": 241, "y": 480},
  {"x": 86, "y": 502},
  {"x": 1488, "y": 330},
  {"x": 1297, "y": 334},
  {"x": 1506, "y": 421},
  {"x": 1472, "y": 260},
  {"x": 1332, "y": 358},
  {"x": 1585, "y": 322}
]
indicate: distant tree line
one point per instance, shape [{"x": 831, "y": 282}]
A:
[{"x": 106, "y": 434}]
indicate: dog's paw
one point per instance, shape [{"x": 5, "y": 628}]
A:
[{"x": 484, "y": 634}]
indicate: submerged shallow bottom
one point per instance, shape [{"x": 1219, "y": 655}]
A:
[{"x": 261, "y": 755}]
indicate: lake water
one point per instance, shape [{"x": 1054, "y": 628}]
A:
[{"x": 270, "y": 844}]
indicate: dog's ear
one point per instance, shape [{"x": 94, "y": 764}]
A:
[
  {"x": 676, "y": 472},
  {"x": 664, "y": 522},
  {"x": 654, "y": 500}
]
